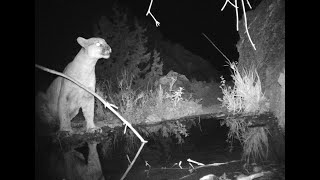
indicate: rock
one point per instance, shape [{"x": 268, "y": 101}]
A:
[{"x": 173, "y": 81}]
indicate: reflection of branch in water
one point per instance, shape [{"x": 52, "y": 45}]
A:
[{"x": 209, "y": 165}]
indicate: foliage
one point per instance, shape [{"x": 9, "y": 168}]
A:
[
  {"x": 154, "y": 71},
  {"x": 129, "y": 52},
  {"x": 150, "y": 106},
  {"x": 246, "y": 95},
  {"x": 256, "y": 145},
  {"x": 254, "y": 140}
]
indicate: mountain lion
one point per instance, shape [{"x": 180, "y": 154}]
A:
[{"x": 63, "y": 98}]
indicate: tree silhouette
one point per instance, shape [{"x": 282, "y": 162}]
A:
[{"x": 129, "y": 51}]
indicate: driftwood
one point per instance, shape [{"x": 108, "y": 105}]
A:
[{"x": 76, "y": 140}]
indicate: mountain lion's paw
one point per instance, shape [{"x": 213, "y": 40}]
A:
[
  {"x": 94, "y": 130},
  {"x": 65, "y": 133}
]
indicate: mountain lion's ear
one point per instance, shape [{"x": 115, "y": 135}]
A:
[{"x": 82, "y": 41}]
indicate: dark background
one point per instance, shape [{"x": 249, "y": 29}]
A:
[{"x": 60, "y": 22}]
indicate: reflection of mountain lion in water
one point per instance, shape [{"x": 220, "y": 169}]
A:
[
  {"x": 63, "y": 98},
  {"x": 77, "y": 169},
  {"x": 73, "y": 165}
]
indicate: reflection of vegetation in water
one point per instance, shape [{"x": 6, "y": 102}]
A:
[
  {"x": 256, "y": 144},
  {"x": 254, "y": 141},
  {"x": 161, "y": 135}
]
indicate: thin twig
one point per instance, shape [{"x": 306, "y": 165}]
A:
[
  {"x": 249, "y": 4},
  {"x": 149, "y": 12},
  {"x": 237, "y": 14},
  {"x": 228, "y": 1},
  {"x": 216, "y": 47},
  {"x": 246, "y": 24},
  {"x": 244, "y": 16},
  {"x": 131, "y": 164}
]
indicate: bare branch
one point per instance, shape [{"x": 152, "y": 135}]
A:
[
  {"x": 225, "y": 3},
  {"x": 246, "y": 24},
  {"x": 135, "y": 158},
  {"x": 228, "y": 1},
  {"x": 237, "y": 14},
  {"x": 235, "y": 5},
  {"x": 216, "y": 47},
  {"x": 249, "y": 4},
  {"x": 149, "y": 12}
]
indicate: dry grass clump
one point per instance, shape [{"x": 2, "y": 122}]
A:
[{"x": 246, "y": 94}]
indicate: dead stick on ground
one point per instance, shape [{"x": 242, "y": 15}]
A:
[{"x": 106, "y": 104}]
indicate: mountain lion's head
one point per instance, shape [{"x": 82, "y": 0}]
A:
[{"x": 95, "y": 47}]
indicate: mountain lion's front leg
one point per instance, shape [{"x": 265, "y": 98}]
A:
[{"x": 88, "y": 113}]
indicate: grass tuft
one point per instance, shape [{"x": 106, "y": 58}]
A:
[{"x": 246, "y": 95}]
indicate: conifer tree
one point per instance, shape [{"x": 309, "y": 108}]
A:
[{"x": 129, "y": 52}]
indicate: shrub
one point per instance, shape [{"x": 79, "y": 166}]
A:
[{"x": 246, "y": 95}]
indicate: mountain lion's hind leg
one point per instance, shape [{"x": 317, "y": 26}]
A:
[{"x": 68, "y": 107}]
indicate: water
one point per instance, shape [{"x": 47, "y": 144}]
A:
[{"x": 206, "y": 143}]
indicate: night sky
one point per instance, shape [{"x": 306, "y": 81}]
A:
[{"x": 60, "y": 22}]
